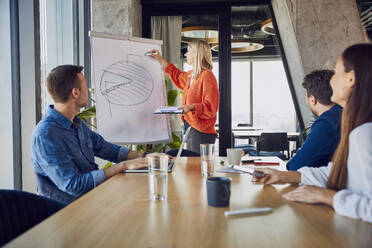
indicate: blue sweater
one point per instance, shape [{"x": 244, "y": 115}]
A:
[{"x": 321, "y": 142}]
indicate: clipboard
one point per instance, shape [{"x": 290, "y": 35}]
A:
[{"x": 168, "y": 110}]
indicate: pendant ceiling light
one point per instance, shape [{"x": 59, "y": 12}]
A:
[
  {"x": 267, "y": 27},
  {"x": 241, "y": 46},
  {"x": 209, "y": 34}
]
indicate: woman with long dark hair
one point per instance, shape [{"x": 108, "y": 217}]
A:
[{"x": 346, "y": 183}]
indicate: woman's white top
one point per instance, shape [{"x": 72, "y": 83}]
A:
[{"x": 356, "y": 200}]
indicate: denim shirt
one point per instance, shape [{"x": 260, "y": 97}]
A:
[
  {"x": 63, "y": 156},
  {"x": 321, "y": 142}
]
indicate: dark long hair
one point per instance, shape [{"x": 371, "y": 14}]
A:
[{"x": 358, "y": 109}]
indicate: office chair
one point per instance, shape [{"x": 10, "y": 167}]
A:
[
  {"x": 272, "y": 144},
  {"x": 244, "y": 125},
  {"x": 301, "y": 139},
  {"x": 19, "y": 211},
  {"x": 247, "y": 148}
]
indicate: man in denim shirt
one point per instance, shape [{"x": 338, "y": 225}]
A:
[
  {"x": 63, "y": 147},
  {"x": 324, "y": 135}
]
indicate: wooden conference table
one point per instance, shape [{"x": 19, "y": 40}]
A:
[{"x": 118, "y": 213}]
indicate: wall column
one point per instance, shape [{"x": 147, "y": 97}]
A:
[
  {"x": 120, "y": 17},
  {"x": 314, "y": 34}
]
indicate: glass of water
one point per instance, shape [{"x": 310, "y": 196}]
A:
[
  {"x": 207, "y": 159},
  {"x": 158, "y": 176}
]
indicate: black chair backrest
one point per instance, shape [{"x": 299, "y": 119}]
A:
[
  {"x": 272, "y": 142},
  {"x": 244, "y": 125},
  {"x": 19, "y": 211}
]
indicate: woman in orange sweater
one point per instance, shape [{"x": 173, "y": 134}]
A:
[{"x": 200, "y": 97}]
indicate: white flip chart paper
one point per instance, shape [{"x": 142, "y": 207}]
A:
[{"x": 129, "y": 86}]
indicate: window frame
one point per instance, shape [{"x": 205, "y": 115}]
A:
[{"x": 223, "y": 10}]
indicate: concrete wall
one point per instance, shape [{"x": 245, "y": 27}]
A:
[
  {"x": 314, "y": 33},
  {"x": 122, "y": 17},
  {"x": 6, "y": 141}
]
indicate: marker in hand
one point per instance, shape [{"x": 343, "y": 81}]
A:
[
  {"x": 155, "y": 54},
  {"x": 151, "y": 53}
]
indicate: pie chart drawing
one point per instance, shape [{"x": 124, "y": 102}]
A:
[{"x": 126, "y": 83}]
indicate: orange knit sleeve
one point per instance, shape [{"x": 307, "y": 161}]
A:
[
  {"x": 207, "y": 109},
  {"x": 178, "y": 77}
]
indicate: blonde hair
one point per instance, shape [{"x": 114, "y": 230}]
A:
[{"x": 203, "y": 57}]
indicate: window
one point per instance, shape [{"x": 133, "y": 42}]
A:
[
  {"x": 246, "y": 39},
  {"x": 240, "y": 90},
  {"x": 273, "y": 108},
  {"x": 365, "y": 11},
  {"x": 61, "y": 38},
  {"x": 6, "y": 109}
]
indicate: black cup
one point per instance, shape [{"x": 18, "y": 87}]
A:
[{"x": 218, "y": 191}]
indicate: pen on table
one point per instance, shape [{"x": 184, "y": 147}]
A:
[
  {"x": 248, "y": 211},
  {"x": 251, "y": 160}
]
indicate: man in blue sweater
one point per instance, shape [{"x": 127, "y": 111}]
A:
[
  {"x": 63, "y": 147},
  {"x": 324, "y": 136}
]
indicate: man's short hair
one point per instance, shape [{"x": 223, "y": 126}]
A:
[
  {"x": 61, "y": 80},
  {"x": 317, "y": 84}
]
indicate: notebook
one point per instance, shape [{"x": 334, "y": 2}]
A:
[{"x": 171, "y": 164}]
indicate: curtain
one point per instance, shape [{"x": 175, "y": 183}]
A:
[{"x": 168, "y": 29}]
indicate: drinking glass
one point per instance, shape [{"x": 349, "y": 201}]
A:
[
  {"x": 158, "y": 176},
  {"x": 207, "y": 159}
]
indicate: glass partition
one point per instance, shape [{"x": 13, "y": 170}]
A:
[{"x": 61, "y": 39}]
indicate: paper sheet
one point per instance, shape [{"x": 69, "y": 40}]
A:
[{"x": 129, "y": 86}]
